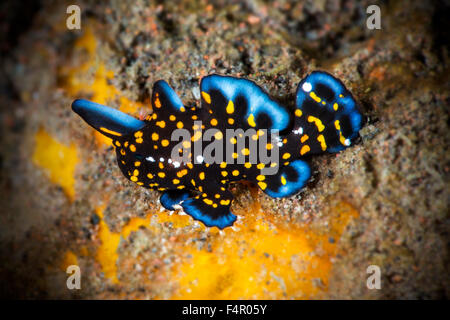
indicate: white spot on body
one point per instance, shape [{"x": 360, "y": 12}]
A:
[
  {"x": 199, "y": 158},
  {"x": 150, "y": 159},
  {"x": 176, "y": 164},
  {"x": 307, "y": 87},
  {"x": 347, "y": 142}
]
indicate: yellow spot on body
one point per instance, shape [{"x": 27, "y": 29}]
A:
[
  {"x": 133, "y": 178},
  {"x": 118, "y": 143},
  {"x": 197, "y": 135},
  {"x": 208, "y": 201},
  {"x": 149, "y": 175},
  {"x": 214, "y": 122},
  {"x": 262, "y": 185},
  {"x": 304, "y": 149},
  {"x": 132, "y": 148},
  {"x": 194, "y": 117},
  {"x": 224, "y": 173},
  {"x": 235, "y": 173},
  {"x": 137, "y": 163},
  {"x": 135, "y": 172},
  {"x": 206, "y": 97},
  {"x": 304, "y": 138},
  {"x": 161, "y": 124},
  {"x": 341, "y": 96},
  {"x": 233, "y": 140},
  {"x": 122, "y": 152},
  {"x": 155, "y": 136},
  {"x": 179, "y": 125},
  {"x": 164, "y": 142},
  {"x": 230, "y": 121},
  {"x": 202, "y": 175},
  {"x": 317, "y": 122},
  {"x": 248, "y": 165},
  {"x": 114, "y": 133},
  {"x": 224, "y": 202},
  {"x": 190, "y": 165},
  {"x": 223, "y": 165},
  {"x": 161, "y": 174},
  {"x": 186, "y": 144},
  {"x": 323, "y": 144},
  {"x": 176, "y": 181},
  {"x": 260, "y": 166},
  {"x": 172, "y": 117},
  {"x": 182, "y": 173},
  {"x": 230, "y": 107},
  {"x": 126, "y": 144},
  {"x": 287, "y": 155},
  {"x": 298, "y": 112},
  {"x": 283, "y": 180},
  {"x": 341, "y": 137},
  {"x": 217, "y": 196},
  {"x": 234, "y": 155},
  {"x": 335, "y": 106},
  {"x": 314, "y": 96},
  {"x": 218, "y": 135},
  {"x": 251, "y": 120},
  {"x": 182, "y": 109},
  {"x": 57, "y": 160},
  {"x": 157, "y": 103},
  {"x": 260, "y": 177},
  {"x": 161, "y": 165},
  {"x": 138, "y": 134},
  {"x": 337, "y": 125},
  {"x": 269, "y": 146},
  {"x": 245, "y": 151}
]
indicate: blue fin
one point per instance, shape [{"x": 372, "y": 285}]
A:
[
  {"x": 165, "y": 101},
  {"x": 108, "y": 121},
  {"x": 287, "y": 181},
  {"x": 212, "y": 208},
  {"x": 252, "y": 107},
  {"x": 329, "y": 113},
  {"x": 173, "y": 197},
  {"x": 220, "y": 217}
]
